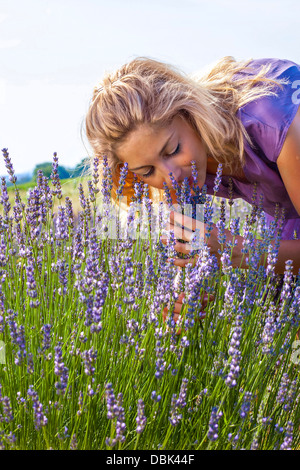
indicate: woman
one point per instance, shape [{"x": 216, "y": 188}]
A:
[{"x": 244, "y": 115}]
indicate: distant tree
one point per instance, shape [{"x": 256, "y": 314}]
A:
[
  {"x": 46, "y": 168},
  {"x": 81, "y": 168}
]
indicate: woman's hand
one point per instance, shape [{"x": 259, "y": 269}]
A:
[
  {"x": 185, "y": 228},
  {"x": 179, "y": 305}
]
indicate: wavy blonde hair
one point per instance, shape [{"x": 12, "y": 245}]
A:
[{"x": 148, "y": 91}]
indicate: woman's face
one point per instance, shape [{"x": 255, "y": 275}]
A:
[{"x": 152, "y": 154}]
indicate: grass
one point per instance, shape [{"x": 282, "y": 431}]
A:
[{"x": 89, "y": 362}]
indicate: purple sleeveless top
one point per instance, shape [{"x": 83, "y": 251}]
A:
[{"x": 267, "y": 121}]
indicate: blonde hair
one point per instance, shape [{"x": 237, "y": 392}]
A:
[{"x": 148, "y": 91}]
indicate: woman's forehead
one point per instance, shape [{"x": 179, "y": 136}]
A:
[{"x": 146, "y": 140}]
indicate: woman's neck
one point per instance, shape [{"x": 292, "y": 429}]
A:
[{"x": 212, "y": 166}]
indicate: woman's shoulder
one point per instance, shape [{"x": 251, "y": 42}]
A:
[
  {"x": 267, "y": 119},
  {"x": 277, "y": 68}
]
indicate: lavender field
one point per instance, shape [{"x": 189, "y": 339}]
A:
[{"x": 86, "y": 359}]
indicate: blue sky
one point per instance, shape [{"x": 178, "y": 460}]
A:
[{"x": 53, "y": 52}]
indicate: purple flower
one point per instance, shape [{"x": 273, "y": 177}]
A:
[
  {"x": 61, "y": 371},
  {"x": 286, "y": 392},
  {"x": 214, "y": 424},
  {"x": 286, "y": 291},
  {"x": 31, "y": 282},
  {"x": 55, "y": 177},
  {"x": 218, "y": 178},
  {"x": 9, "y": 166},
  {"x": 129, "y": 281},
  {"x": 235, "y": 353},
  {"x": 175, "y": 416},
  {"x": 269, "y": 330},
  {"x": 160, "y": 363},
  {"x": 155, "y": 397},
  {"x": 178, "y": 403},
  {"x": 122, "y": 179},
  {"x": 7, "y": 415},
  {"x": 186, "y": 196},
  {"x": 181, "y": 402},
  {"x": 245, "y": 408},
  {"x": 115, "y": 410},
  {"x": 167, "y": 194},
  {"x": 288, "y": 437},
  {"x": 40, "y": 418},
  {"x": 62, "y": 222},
  {"x": 4, "y": 199},
  {"x": 107, "y": 181},
  {"x": 177, "y": 189},
  {"x": 141, "y": 419},
  {"x": 17, "y": 334},
  {"x": 89, "y": 357}
]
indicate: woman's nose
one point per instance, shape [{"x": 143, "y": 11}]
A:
[{"x": 176, "y": 174}]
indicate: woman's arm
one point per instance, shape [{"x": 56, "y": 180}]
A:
[
  {"x": 288, "y": 164},
  {"x": 288, "y": 249}
]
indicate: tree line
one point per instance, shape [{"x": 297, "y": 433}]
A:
[{"x": 63, "y": 172}]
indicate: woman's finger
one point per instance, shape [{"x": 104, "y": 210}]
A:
[
  {"x": 183, "y": 262},
  {"x": 186, "y": 221},
  {"x": 176, "y": 311}
]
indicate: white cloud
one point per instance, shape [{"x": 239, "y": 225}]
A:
[
  {"x": 9, "y": 43},
  {"x": 2, "y": 91},
  {"x": 3, "y": 17}
]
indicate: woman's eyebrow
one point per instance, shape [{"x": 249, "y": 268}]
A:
[{"x": 160, "y": 153}]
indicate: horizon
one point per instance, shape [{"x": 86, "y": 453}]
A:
[{"x": 54, "y": 52}]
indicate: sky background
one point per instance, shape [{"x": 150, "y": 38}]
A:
[{"x": 53, "y": 52}]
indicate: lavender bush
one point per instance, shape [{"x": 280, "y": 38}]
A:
[{"x": 89, "y": 362}]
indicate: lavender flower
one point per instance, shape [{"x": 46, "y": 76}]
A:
[
  {"x": 286, "y": 291},
  {"x": 155, "y": 397},
  {"x": 214, "y": 424},
  {"x": 141, "y": 419},
  {"x": 286, "y": 392},
  {"x": 55, "y": 177},
  {"x": 218, "y": 178},
  {"x": 235, "y": 353},
  {"x": 122, "y": 179},
  {"x": 107, "y": 182},
  {"x": 4, "y": 199},
  {"x": 177, "y": 189},
  {"x": 160, "y": 364},
  {"x": 269, "y": 330},
  {"x": 7, "y": 415},
  {"x": 40, "y": 418},
  {"x": 17, "y": 334},
  {"x": 61, "y": 371},
  {"x": 181, "y": 402},
  {"x": 115, "y": 410},
  {"x": 186, "y": 196},
  {"x": 288, "y": 437},
  {"x": 89, "y": 357},
  {"x": 62, "y": 222},
  {"x": 167, "y": 194},
  {"x": 175, "y": 416},
  {"x": 245, "y": 408},
  {"x": 9, "y": 166},
  {"x": 31, "y": 282}
]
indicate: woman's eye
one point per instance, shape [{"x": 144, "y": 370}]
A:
[
  {"x": 175, "y": 151},
  {"x": 146, "y": 175},
  {"x": 150, "y": 172}
]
